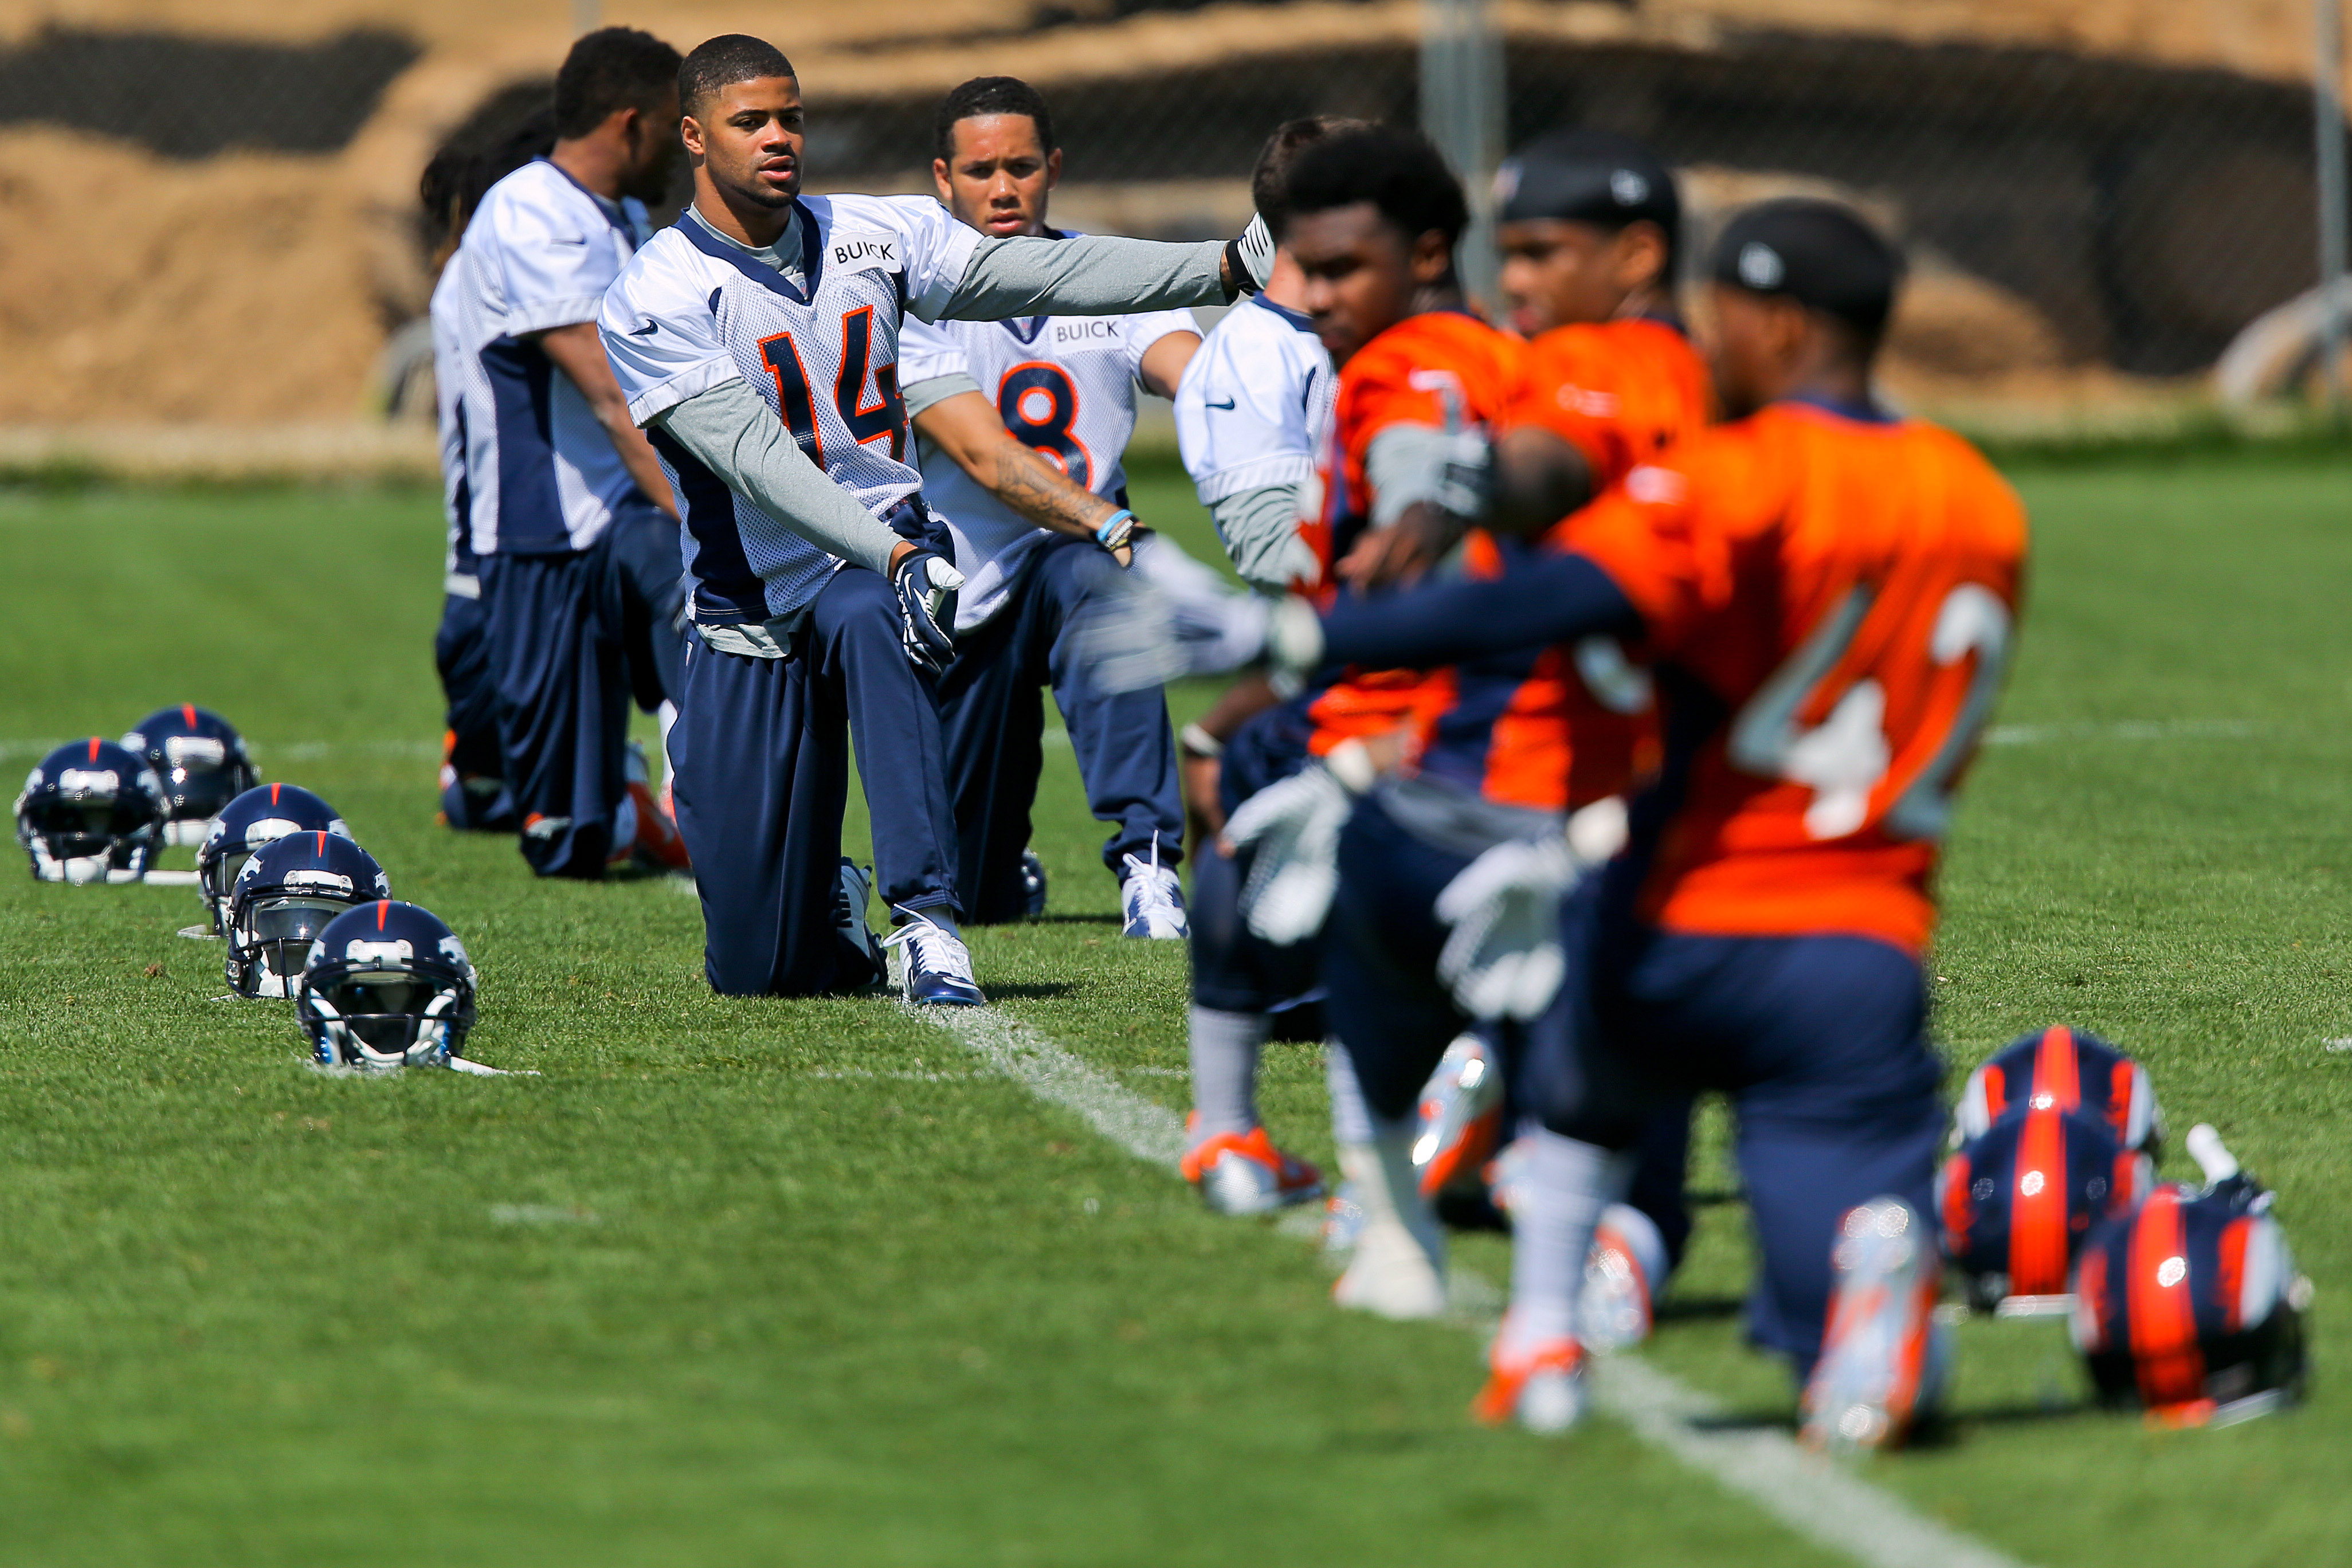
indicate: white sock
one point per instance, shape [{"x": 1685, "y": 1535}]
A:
[
  {"x": 1224, "y": 1047},
  {"x": 1387, "y": 1186},
  {"x": 1351, "y": 1114},
  {"x": 666, "y": 717},
  {"x": 1566, "y": 1185}
]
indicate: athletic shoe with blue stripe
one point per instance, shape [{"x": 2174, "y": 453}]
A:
[{"x": 935, "y": 966}]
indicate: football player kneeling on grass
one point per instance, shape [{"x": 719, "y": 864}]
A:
[{"x": 1829, "y": 593}]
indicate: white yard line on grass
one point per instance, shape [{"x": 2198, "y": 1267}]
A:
[
  {"x": 2122, "y": 730},
  {"x": 1812, "y": 1497}
]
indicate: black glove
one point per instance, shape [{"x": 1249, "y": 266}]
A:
[{"x": 926, "y": 585}]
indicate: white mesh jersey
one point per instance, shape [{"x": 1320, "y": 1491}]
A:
[
  {"x": 1254, "y": 404},
  {"x": 541, "y": 476},
  {"x": 1064, "y": 385},
  {"x": 691, "y": 312},
  {"x": 459, "y": 566}
]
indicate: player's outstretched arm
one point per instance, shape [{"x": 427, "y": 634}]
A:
[
  {"x": 1557, "y": 599},
  {"x": 1085, "y": 275},
  {"x": 731, "y": 432},
  {"x": 579, "y": 352},
  {"x": 967, "y": 427}
]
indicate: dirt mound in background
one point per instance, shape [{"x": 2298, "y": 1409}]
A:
[{"x": 130, "y": 288}]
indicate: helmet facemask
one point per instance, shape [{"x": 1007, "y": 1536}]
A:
[
  {"x": 271, "y": 936},
  {"x": 378, "y": 1020}
]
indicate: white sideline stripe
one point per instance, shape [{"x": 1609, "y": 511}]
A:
[
  {"x": 2123, "y": 730},
  {"x": 1152, "y": 1133},
  {"x": 1809, "y": 1495}
]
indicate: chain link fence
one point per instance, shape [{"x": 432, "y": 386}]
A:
[{"x": 2068, "y": 213}]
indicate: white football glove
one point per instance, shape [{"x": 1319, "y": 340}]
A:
[
  {"x": 1295, "y": 826},
  {"x": 1504, "y": 959},
  {"x": 1250, "y": 256}
]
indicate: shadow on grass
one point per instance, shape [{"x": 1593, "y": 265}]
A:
[{"x": 1032, "y": 990}]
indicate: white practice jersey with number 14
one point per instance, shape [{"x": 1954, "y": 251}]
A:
[
  {"x": 1064, "y": 385},
  {"x": 691, "y": 312}
]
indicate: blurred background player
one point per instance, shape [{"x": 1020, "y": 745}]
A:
[
  {"x": 758, "y": 343},
  {"x": 1252, "y": 412},
  {"x": 1374, "y": 217},
  {"x": 1523, "y": 742},
  {"x": 474, "y": 793},
  {"x": 572, "y": 515},
  {"x": 1829, "y": 593},
  {"x": 1022, "y": 426}
]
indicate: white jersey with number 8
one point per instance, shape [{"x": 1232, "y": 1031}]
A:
[{"x": 1065, "y": 387}]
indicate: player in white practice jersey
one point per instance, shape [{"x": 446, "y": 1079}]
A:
[
  {"x": 570, "y": 514},
  {"x": 756, "y": 342},
  {"x": 1251, "y": 418},
  {"x": 1021, "y": 427},
  {"x": 474, "y": 793}
]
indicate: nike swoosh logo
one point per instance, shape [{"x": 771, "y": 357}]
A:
[
  {"x": 649, "y": 329},
  {"x": 1227, "y": 404}
]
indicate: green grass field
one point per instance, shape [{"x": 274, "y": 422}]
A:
[{"x": 798, "y": 1282}]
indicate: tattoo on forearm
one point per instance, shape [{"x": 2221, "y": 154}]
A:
[{"x": 1033, "y": 487}]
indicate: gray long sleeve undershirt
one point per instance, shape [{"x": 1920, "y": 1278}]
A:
[
  {"x": 1085, "y": 275},
  {"x": 732, "y": 433},
  {"x": 735, "y": 435},
  {"x": 1260, "y": 531}
]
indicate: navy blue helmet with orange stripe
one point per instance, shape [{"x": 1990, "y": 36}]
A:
[
  {"x": 2189, "y": 1306},
  {"x": 202, "y": 762},
  {"x": 286, "y": 895},
  {"x": 90, "y": 812},
  {"x": 387, "y": 985},
  {"x": 261, "y": 816},
  {"x": 2018, "y": 1201},
  {"x": 2068, "y": 1067}
]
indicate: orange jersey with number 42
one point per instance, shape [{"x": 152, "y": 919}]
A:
[
  {"x": 1436, "y": 368},
  {"x": 1831, "y": 599}
]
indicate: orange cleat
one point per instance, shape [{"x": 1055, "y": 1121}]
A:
[
  {"x": 1543, "y": 1390},
  {"x": 1245, "y": 1174}
]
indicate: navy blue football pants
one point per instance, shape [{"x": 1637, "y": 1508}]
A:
[
  {"x": 1820, "y": 1041},
  {"x": 760, "y": 760},
  {"x": 474, "y": 796},
  {"x": 1233, "y": 970},
  {"x": 993, "y": 720},
  {"x": 572, "y": 637},
  {"x": 1387, "y": 1005}
]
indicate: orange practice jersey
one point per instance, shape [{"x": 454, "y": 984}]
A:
[
  {"x": 1424, "y": 370},
  {"x": 1560, "y": 728},
  {"x": 1830, "y": 599}
]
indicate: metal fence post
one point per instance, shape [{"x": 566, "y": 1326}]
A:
[
  {"x": 1462, "y": 110},
  {"x": 2327, "y": 107}
]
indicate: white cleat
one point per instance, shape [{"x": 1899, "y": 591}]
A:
[
  {"x": 1883, "y": 1358},
  {"x": 1617, "y": 1307},
  {"x": 1394, "y": 1274},
  {"x": 1152, "y": 899}
]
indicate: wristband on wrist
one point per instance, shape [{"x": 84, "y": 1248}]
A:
[
  {"x": 1198, "y": 742},
  {"x": 1115, "y": 529}
]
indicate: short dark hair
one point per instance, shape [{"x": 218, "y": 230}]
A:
[
  {"x": 1270, "y": 180},
  {"x": 608, "y": 69},
  {"x": 494, "y": 140},
  {"x": 989, "y": 95},
  {"x": 723, "y": 61},
  {"x": 1399, "y": 172}
]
